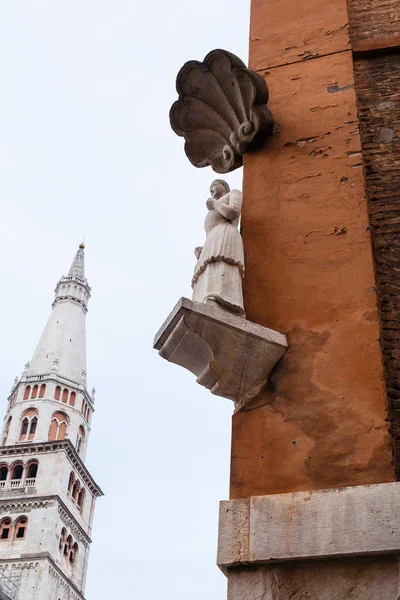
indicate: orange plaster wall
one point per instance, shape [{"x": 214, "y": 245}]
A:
[{"x": 309, "y": 272}]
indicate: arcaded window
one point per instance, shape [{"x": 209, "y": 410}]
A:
[
  {"x": 17, "y": 471},
  {"x": 65, "y": 395},
  {"x": 57, "y": 393},
  {"x": 42, "y": 390},
  {"x": 6, "y": 431},
  {"x": 28, "y": 425},
  {"x": 5, "y": 529},
  {"x": 27, "y": 392},
  {"x": 32, "y": 470},
  {"x": 3, "y": 473},
  {"x": 35, "y": 391},
  {"x": 58, "y": 427},
  {"x": 72, "y": 398},
  {"x": 20, "y": 528}
]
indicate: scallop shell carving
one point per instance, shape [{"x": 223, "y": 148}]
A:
[{"x": 221, "y": 111}]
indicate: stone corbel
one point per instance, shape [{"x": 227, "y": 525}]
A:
[{"x": 229, "y": 355}]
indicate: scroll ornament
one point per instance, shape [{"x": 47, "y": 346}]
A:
[{"x": 221, "y": 112}]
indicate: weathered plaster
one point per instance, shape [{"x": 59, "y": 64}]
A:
[{"x": 321, "y": 421}]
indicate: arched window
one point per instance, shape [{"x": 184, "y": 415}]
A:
[
  {"x": 24, "y": 429},
  {"x": 17, "y": 472},
  {"x": 57, "y": 393},
  {"x": 58, "y": 427},
  {"x": 20, "y": 528},
  {"x": 5, "y": 529},
  {"x": 3, "y": 472},
  {"x": 28, "y": 425},
  {"x": 6, "y": 431},
  {"x": 65, "y": 395},
  {"x": 35, "y": 391},
  {"x": 75, "y": 490},
  {"x": 72, "y": 398},
  {"x": 42, "y": 390},
  {"x": 80, "y": 439},
  {"x": 32, "y": 428},
  {"x": 67, "y": 546},
  {"x": 32, "y": 469},
  {"x": 71, "y": 482},
  {"x": 62, "y": 538},
  {"x": 12, "y": 401},
  {"x": 73, "y": 553},
  {"x": 81, "y": 499},
  {"x": 27, "y": 392}
]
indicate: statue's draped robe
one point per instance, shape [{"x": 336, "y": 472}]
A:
[{"x": 220, "y": 268}]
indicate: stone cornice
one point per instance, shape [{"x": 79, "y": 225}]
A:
[
  {"x": 22, "y": 504},
  {"x": 67, "y": 446}
]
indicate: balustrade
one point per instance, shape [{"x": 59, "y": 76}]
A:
[{"x": 17, "y": 483}]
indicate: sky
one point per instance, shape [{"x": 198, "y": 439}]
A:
[{"x": 86, "y": 151}]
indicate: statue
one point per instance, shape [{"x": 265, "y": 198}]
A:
[{"x": 219, "y": 271}]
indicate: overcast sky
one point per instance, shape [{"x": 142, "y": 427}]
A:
[{"x": 86, "y": 150}]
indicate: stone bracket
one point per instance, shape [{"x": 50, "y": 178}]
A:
[
  {"x": 230, "y": 356},
  {"x": 352, "y": 521}
]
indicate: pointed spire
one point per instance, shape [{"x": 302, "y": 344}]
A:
[
  {"x": 78, "y": 264},
  {"x": 62, "y": 347}
]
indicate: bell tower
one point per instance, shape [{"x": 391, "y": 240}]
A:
[{"x": 47, "y": 495}]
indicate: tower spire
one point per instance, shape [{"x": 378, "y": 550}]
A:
[{"x": 62, "y": 346}]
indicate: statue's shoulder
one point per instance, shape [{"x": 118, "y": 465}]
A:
[{"x": 236, "y": 193}]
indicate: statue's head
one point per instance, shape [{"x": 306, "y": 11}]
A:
[{"x": 218, "y": 188}]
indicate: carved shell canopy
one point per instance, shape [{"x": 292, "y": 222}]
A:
[{"x": 221, "y": 111}]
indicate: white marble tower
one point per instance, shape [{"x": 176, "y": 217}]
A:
[{"x": 47, "y": 495}]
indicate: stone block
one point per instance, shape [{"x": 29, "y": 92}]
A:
[
  {"x": 375, "y": 578},
  {"x": 355, "y": 521},
  {"x": 229, "y": 355}
]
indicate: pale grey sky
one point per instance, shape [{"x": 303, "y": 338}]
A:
[{"x": 86, "y": 150}]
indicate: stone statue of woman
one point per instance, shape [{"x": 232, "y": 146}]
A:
[{"x": 219, "y": 271}]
